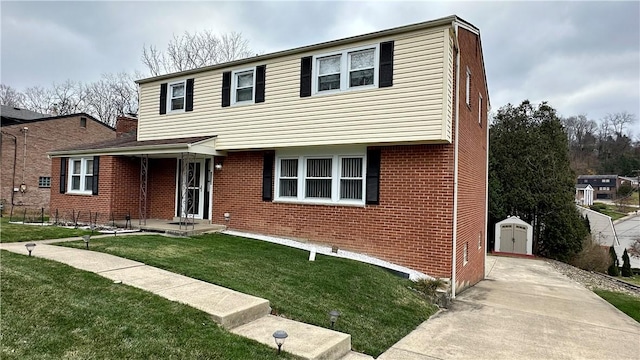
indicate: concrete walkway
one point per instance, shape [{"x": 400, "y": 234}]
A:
[
  {"x": 242, "y": 314},
  {"x": 523, "y": 310}
]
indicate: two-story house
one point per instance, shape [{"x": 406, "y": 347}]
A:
[
  {"x": 26, "y": 138},
  {"x": 375, "y": 143},
  {"x": 604, "y": 186}
]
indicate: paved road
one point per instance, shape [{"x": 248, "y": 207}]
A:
[
  {"x": 627, "y": 231},
  {"x": 523, "y": 310}
]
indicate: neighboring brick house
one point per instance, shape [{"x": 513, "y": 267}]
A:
[
  {"x": 375, "y": 144},
  {"x": 26, "y": 170},
  {"x": 604, "y": 186}
]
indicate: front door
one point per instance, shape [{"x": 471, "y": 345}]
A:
[{"x": 193, "y": 179}]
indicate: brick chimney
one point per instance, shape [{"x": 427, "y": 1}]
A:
[{"x": 126, "y": 125}]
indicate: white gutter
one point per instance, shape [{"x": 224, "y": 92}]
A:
[{"x": 455, "y": 162}]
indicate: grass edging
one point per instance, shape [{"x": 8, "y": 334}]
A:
[{"x": 628, "y": 304}]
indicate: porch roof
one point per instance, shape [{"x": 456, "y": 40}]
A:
[{"x": 130, "y": 146}]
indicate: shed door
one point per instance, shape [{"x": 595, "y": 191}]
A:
[
  {"x": 520, "y": 239},
  {"x": 506, "y": 238}
]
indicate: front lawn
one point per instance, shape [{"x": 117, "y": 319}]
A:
[
  {"x": 53, "y": 311},
  {"x": 628, "y": 304},
  {"x": 18, "y": 232},
  {"x": 378, "y": 308}
]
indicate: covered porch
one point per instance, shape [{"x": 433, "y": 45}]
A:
[{"x": 157, "y": 185}]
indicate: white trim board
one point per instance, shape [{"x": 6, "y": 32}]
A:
[{"x": 326, "y": 250}]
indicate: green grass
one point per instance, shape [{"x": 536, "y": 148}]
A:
[
  {"x": 615, "y": 215},
  {"x": 633, "y": 279},
  {"x": 53, "y": 311},
  {"x": 377, "y": 307},
  {"x": 628, "y": 304},
  {"x": 18, "y": 232}
]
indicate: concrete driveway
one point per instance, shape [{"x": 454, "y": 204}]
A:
[
  {"x": 523, "y": 310},
  {"x": 627, "y": 230}
]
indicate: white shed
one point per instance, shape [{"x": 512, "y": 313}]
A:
[{"x": 514, "y": 236}]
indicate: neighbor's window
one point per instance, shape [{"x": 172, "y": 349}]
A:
[
  {"x": 243, "y": 84},
  {"x": 604, "y": 188},
  {"x": 605, "y": 180},
  {"x": 468, "y": 88},
  {"x": 44, "y": 181},
  {"x": 348, "y": 69},
  {"x": 176, "y": 96},
  {"x": 81, "y": 175},
  {"x": 328, "y": 178}
]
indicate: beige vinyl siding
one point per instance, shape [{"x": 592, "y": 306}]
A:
[{"x": 412, "y": 110}]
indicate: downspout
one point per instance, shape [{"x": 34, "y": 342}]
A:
[
  {"x": 455, "y": 163},
  {"x": 15, "y": 158}
]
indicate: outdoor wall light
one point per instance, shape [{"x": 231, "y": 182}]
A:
[
  {"x": 218, "y": 163},
  {"x": 333, "y": 317},
  {"x": 227, "y": 216},
  {"x": 30, "y": 247},
  {"x": 23, "y": 188},
  {"x": 86, "y": 239},
  {"x": 218, "y": 166},
  {"x": 279, "y": 336}
]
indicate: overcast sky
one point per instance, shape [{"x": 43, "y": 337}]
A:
[{"x": 582, "y": 57}]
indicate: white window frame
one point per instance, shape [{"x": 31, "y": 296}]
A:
[
  {"x": 234, "y": 86},
  {"x": 83, "y": 176},
  {"x": 297, "y": 177},
  {"x": 170, "y": 96},
  {"x": 468, "y": 88},
  {"x": 336, "y": 163},
  {"x": 480, "y": 110},
  {"x": 606, "y": 180},
  {"x": 345, "y": 61},
  {"x": 604, "y": 188}
]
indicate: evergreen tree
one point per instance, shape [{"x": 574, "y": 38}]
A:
[
  {"x": 530, "y": 176},
  {"x": 626, "y": 264},
  {"x": 587, "y": 224},
  {"x": 613, "y": 268}
]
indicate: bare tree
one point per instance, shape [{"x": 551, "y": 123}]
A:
[
  {"x": 634, "y": 249},
  {"x": 191, "y": 51},
  {"x": 111, "y": 96},
  {"x": 38, "y": 99},
  {"x": 10, "y": 96},
  {"x": 619, "y": 122},
  {"x": 68, "y": 98}
]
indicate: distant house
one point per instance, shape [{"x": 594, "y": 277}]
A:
[
  {"x": 584, "y": 194},
  {"x": 26, "y": 138},
  {"x": 375, "y": 144},
  {"x": 604, "y": 186},
  {"x": 633, "y": 181}
]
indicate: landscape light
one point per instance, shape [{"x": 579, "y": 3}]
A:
[
  {"x": 30, "y": 247},
  {"x": 86, "y": 239},
  {"x": 333, "y": 317},
  {"x": 279, "y": 337}
]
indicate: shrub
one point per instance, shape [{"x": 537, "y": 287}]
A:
[
  {"x": 598, "y": 207},
  {"x": 592, "y": 257},
  {"x": 613, "y": 268},
  {"x": 428, "y": 287},
  {"x": 626, "y": 265}
]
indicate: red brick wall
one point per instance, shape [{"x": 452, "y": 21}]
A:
[
  {"x": 162, "y": 188},
  {"x": 412, "y": 226},
  {"x": 42, "y": 136},
  {"x": 125, "y": 125},
  {"x": 472, "y": 154}
]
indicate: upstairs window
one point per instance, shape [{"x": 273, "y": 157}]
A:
[
  {"x": 346, "y": 70},
  {"x": 243, "y": 85},
  {"x": 176, "y": 96},
  {"x": 605, "y": 180}
]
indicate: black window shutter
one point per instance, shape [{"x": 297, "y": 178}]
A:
[
  {"x": 189, "y": 96},
  {"x": 267, "y": 176},
  {"x": 260, "y": 80},
  {"x": 305, "y": 76},
  {"x": 373, "y": 177},
  {"x": 163, "y": 98},
  {"x": 226, "y": 88},
  {"x": 63, "y": 175},
  {"x": 385, "y": 76},
  {"x": 96, "y": 174}
]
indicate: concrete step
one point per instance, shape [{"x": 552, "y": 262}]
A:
[
  {"x": 307, "y": 341},
  {"x": 352, "y": 355}
]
